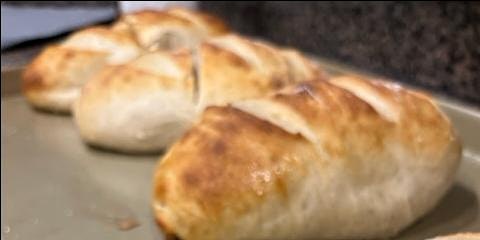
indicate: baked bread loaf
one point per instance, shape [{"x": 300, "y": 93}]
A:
[
  {"x": 54, "y": 78},
  {"x": 233, "y": 67},
  {"x": 145, "y": 105},
  {"x": 140, "y": 106},
  {"x": 173, "y": 28},
  {"x": 459, "y": 236},
  {"x": 346, "y": 158}
]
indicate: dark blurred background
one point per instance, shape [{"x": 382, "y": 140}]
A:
[{"x": 433, "y": 45}]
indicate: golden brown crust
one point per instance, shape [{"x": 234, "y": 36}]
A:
[
  {"x": 52, "y": 81},
  {"x": 120, "y": 45},
  {"x": 243, "y": 78},
  {"x": 233, "y": 68},
  {"x": 233, "y": 168},
  {"x": 301, "y": 68},
  {"x": 322, "y": 104},
  {"x": 152, "y": 17},
  {"x": 172, "y": 27},
  {"x": 58, "y": 69},
  {"x": 131, "y": 80},
  {"x": 139, "y": 106},
  {"x": 225, "y": 76},
  {"x": 183, "y": 58},
  {"x": 40, "y": 73},
  {"x": 55, "y": 77},
  {"x": 418, "y": 118},
  {"x": 214, "y": 25},
  {"x": 231, "y": 160},
  {"x": 124, "y": 78},
  {"x": 179, "y": 16},
  {"x": 169, "y": 80},
  {"x": 119, "y": 37}
]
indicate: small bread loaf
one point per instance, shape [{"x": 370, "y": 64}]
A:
[
  {"x": 138, "y": 107},
  {"x": 173, "y": 28},
  {"x": 54, "y": 79},
  {"x": 233, "y": 67},
  {"x": 146, "y": 114},
  {"x": 347, "y": 158}
]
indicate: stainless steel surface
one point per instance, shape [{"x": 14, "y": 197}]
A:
[{"x": 55, "y": 187}]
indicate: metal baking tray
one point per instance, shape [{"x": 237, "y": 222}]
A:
[{"x": 56, "y": 187}]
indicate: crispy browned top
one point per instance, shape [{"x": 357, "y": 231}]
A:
[
  {"x": 120, "y": 84},
  {"x": 225, "y": 76},
  {"x": 230, "y": 160},
  {"x": 345, "y": 126},
  {"x": 229, "y": 144},
  {"x": 53, "y": 66},
  {"x": 119, "y": 37},
  {"x": 233, "y": 68},
  {"x": 213, "y": 24},
  {"x": 177, "y": 16},
  {"x": 355, "y": 127},
  {"x": 152, "y": 17},
  {"x": 420, "y": 125}
]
